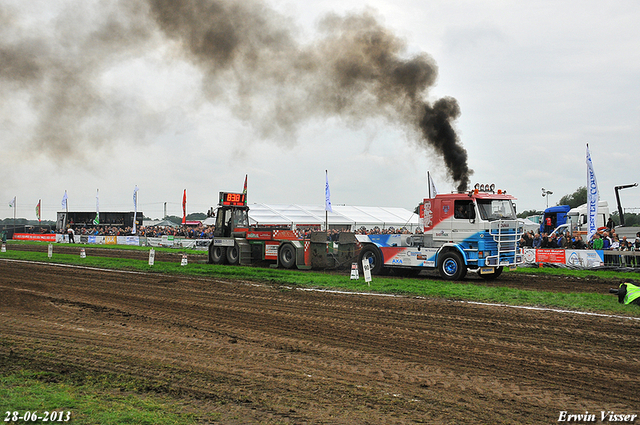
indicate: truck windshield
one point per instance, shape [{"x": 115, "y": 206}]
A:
[{"x": 496, "y": 209}]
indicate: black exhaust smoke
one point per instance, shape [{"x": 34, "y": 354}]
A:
[{"x": 252, "y": 59}]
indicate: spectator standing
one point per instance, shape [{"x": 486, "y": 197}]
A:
[
  {"x": 615, "y": 244},
  {"x": 537, "y": 241},
  {"x": 578, "y": 243},
  {"x": 597, "y": 242}
]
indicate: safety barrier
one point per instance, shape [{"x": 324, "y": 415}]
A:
[
  {"x": 583, "y": 258},
  {"x": 622, "y": 258}
]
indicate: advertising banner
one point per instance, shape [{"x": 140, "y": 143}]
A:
[
  {"x": 128, "y": 240},
  {"x": 34, "y": 237},
  {"x": 550, "y": 256},
  {"x": 586, "y": 258}
]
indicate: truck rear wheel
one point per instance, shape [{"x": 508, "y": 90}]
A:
[
  {"x": 217, "y": 254},
  {"x": 451, "y": 266},
  {"x": 492, "y": 276},
  {"x": 233, "y": 254},
  {"x": 287, "y": 256},
  {"x": 373, "y": 256}
]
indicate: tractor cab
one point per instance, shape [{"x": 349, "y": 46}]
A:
[
  {"x": 232, "y": 214},
  {"x": 231, "y": 219}
]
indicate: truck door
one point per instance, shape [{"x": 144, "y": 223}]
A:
[{"x": 444, "y": 213}]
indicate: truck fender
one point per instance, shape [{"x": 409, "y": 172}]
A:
[{"x": 450, "y": 247}]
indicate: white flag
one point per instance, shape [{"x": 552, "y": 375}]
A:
[
  {"x": 433, "y": 191},
  {"x": 592, "y": 197},
  {"x": 135, "y": 208},
  {"x": 12, "y": 203},
  {"x": 327, "y": 194},
  {"x": 64, "y": 200},
  {"x": 96, "y": 220}
]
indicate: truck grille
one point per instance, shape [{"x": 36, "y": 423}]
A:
[{"x": 505, "y": 234}]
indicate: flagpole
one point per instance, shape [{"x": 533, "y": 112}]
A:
[
  {"x": 326, "y": 209},
  {"x": 429, "y": 183}
]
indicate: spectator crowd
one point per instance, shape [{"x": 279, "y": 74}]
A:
[{"x": 606, "y": 239}]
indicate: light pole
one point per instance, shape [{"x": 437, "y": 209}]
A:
[{"x": 546, "y": 193}]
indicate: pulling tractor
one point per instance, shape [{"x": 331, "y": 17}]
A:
[{"x": 236, "y": 242}]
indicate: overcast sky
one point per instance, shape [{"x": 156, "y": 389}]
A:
[{"x": 108, "y": 95}]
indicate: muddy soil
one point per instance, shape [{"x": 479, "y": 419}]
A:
[{"x": 253, "y": 353}]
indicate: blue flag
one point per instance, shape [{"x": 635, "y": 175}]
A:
[
  {"x": 592, "y": 197},
  {"x": 327, "y": 194}
]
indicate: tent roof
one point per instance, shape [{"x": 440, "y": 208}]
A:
[
  {"x": 161, "y": 223},
  {"x": 299, "y": 215}
]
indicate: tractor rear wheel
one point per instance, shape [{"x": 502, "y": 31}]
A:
[
  {"x": 217, "y": 254},
  {"x": 233, "y": 254},
  {"x": 287, "y": 256}
]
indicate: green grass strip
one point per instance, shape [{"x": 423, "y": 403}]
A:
[
  {"x": 424, "y": 287},
  {"x": 89, "y": 400}
]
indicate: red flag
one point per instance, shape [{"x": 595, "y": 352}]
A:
[
  {"x": 38, "y": 210},
  {"x": 184, "y": 207},
  {"x": 244, "y": 191}
]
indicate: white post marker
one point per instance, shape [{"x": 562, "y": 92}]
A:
[
  {"x": 366, "y": 268},
  {"x": 4, "y": 248},
  {"x": 184, "y": 260},
  {"x": 152, "y": 256},
  {"x": 83, "y": 254},
  {"x": 50, "y": 251},
  {"x": 354, "y": 272}
]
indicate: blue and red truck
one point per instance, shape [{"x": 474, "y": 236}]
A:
[{"x": 474, "y": 231}]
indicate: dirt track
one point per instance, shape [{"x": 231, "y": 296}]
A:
[{"x": 261, "y": 354}]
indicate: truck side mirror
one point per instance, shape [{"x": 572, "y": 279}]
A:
[{"x": 471, "y": 212}]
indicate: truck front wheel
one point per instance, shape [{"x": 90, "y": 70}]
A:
[
  {"x": 451, "y": 266},
  {"x": 217, "y": 254},
  {"x": 287, "y": 256}
]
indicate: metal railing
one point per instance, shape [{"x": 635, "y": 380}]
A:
[{"x": 621, "y": 258}]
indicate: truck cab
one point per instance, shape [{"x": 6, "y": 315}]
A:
[{"x": 476, "y": 231}]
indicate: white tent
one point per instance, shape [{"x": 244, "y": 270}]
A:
[
  {"x": 342, "y": 216},
  {"x": 160, "y": 223}
]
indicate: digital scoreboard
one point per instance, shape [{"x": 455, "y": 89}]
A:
[{"x": 232, "y": 199}]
